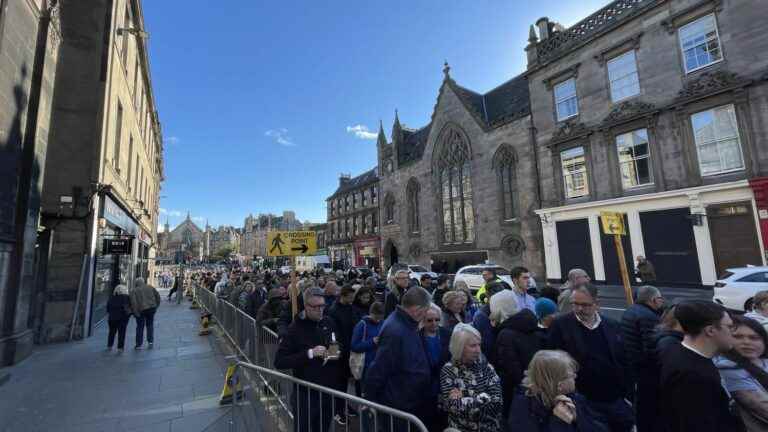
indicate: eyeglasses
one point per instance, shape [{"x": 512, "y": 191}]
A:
[{"x": 317, "y": 306}]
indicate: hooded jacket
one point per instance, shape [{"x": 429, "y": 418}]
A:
[
  {"x": 517, "y": 341},
  {"x": 292, "y": 353}
]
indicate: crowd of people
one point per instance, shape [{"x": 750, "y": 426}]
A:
[{"x": 505, "y": 360}]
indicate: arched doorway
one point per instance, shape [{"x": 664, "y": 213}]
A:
[{"x": 390, "y": 254}]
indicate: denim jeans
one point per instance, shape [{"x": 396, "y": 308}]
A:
[{"x": 146, "y": 318}]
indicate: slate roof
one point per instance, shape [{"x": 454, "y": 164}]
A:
[
  {"x": 413, "y": 145},
  {"x": 363, "y": 179},
  {"x": 607, "y": 18},
  {"x": 499, "y": 106}
]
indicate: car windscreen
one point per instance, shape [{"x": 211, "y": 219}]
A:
[
  {"x": 501, "y": 271},
  {"x": 419, "y": 269},
  {"x": 726, "y": 274}
]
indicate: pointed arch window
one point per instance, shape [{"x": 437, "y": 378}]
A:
[
  {"x": 504, "y": 164},
  {"x": 452, "y": 168},
  {"x": 389, "y": 209},
  {"x": 412, "y": 193}
]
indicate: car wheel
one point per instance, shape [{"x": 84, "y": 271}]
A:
[{"x": 748, "y": 305}]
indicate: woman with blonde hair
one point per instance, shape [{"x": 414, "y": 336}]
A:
[
  {"x": 454, "y": 309},
  {"x": 548, "y": 400},
  {"x": 470, "y": 390},
  {"x": 119, "y": 312}
]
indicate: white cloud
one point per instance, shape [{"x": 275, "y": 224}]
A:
[
  {"x": 172, "y": 140},
  {"x": 280, "y": 136},
  {"x": 362, "y": 132},
  {"x": 163, "y": 211}
]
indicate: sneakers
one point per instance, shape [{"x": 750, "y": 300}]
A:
[
  {"x": 150, "y": 345},
  {"x": 340, "y": 420}
]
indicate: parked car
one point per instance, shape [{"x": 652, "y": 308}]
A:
[
  {"x": 472, "y": 276},
  {"x": 362, "y": 271},
  {"x": 737, "y": 286}
]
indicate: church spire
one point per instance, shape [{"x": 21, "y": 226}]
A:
[
  {"x": 382, "y": 140},
  {"x": 188, "y": 216}
]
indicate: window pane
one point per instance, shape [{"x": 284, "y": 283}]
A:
[
  {"x": 469, "y": 219},
  {"x": 456, "y": 204},
  {"x": 622, "y": 72},
  {"x": 717, "y": 140},
  {"x": 565, "y": 99},
  {"x": 447, "y": 225},
  {"x": 574, "y": 172},
  {"x": 700, "y": 43},
  {"x": 634, "y": 158}
]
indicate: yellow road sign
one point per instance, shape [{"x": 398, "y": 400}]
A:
[
  {"x": 613, "y": 223},
  {"x": 291, "y": 243}
]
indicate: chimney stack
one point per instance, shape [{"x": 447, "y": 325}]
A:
[{"x": 544, "y": 28}]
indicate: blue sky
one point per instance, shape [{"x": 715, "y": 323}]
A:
[{"x": 263, "y": 103}]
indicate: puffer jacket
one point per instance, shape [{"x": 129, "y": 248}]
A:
[
  {"x": 637, "y": 326},
  {"x": 517, "y": 341}
]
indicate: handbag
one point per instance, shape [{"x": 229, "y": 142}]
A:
[{"x": 357, "y": 360}]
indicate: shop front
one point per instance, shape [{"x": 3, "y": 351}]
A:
[
  {"x": 367, "y": 252},
  {"x": 690, "y": 235},
  {"x": 115, "y": 255},
  {"x": 341, "y": 256}
]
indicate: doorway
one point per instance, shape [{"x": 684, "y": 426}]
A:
[
  {"x": 575, "y": 246},
  {"x": 734, "y": 237}
]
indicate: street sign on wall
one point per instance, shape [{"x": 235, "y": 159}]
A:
[{"x": 291, "y": 243}]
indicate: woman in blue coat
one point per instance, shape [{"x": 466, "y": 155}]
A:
[
  {"x": 365, "y": 337},
  {"x": 547, "y": 401}
]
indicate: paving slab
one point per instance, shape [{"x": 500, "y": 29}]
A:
[{"x": 79, "y": 386}]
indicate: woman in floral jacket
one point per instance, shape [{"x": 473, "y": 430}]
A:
[{"x": 470, "y": 390}]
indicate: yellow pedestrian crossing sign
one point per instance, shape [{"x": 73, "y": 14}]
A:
[
  {"x": 613, "y": 223},
  {"x": 291, "y": 243}
]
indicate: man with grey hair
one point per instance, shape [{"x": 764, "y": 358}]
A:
[
  {"x": 638, "y": 324},
  {"x": 401, "y": 372},
  {"x": 399, "y": 284},
  {"x": 576, "y": 277},
  {"x": 305, "y": 350},
  {"x": 144, "y": 302}
]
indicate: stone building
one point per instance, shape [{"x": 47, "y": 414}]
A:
[
  {"x": 463, "y": 189},
  {"x": 658, "y": 109},
  {"x": 253, "y": 241},
  {"x": 103, "y": 169},
  {"x": 222, "y": 237},
  {"x": 30, "y": 38},
  {"x": 185, "y": 243},
  {"x": 353, "y": 221}
]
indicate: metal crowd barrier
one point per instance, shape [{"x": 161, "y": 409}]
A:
[{"x": 279, "y": 402}]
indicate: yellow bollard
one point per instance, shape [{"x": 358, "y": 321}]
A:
[
  {"x": 226, "y": 392},
  {"x": 205, "y": 330}
]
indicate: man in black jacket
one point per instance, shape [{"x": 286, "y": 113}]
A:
[
  {"x": 595, "y": 342},
  {"x": 692, "y": 396},
  {"x": 304, "y": 350},
  {"x": 638, "y": 326}
]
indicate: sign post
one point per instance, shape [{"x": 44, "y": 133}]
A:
[
  {"x": 613, "y": 224},
  {"x": 291, "y": 243}
]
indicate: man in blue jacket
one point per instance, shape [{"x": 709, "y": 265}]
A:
[{"x": 400, "y": 373}]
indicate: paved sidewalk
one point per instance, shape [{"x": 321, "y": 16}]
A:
[{"x": 81, "y": 387}]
